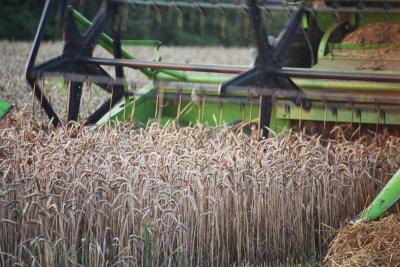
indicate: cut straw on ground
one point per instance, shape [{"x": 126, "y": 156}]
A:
[{"x": 367, "y": 244}]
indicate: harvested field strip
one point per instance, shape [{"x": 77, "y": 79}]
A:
[
  {"x": 179, "y": 197},
  {"x": 385, "y": 34},
  {"x": 376, "y": 33}
]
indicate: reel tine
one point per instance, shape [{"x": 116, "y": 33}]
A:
[
  {"x": 110, "y": 106},
  {"x": 260, "y": 130},
  {"x": 203, "y": 96},
  {"x": 274, "y": 98},
  {"x": 238, "y": 19},
  {"x": 125, "y": 16},
  {"x": 38, "y": 93},
  {"x": 215, "y": 22},
  {"x": 179, "y": 96},
  {"x": 287, "y": 110},
  {"x": 33, "y": 100},
  {"x": 335, "y": 115},
  {"x": 133, "y": 100},
  {"x": 378, "y": 111},
  {"x": 44, "y": 92},
  {"x": 161, "y": 102},
  {"x": 188, "y": 106},
  {"x": 243, "y": 111},
  {"x": 301, "y": 117},
  {"x": 157, "y": 101},
  {"x": 382, "y": 117},
  {"x": 68, "y": 95},
  {"x": 325, "y": 104},
  {"x": 126, "y": 88},
  {"x": 240, "y": 15},
  {"x": 221, "y": 112},
  {"x": 134, "y": 7},
  {"x": 180, "y": 17},
  {"x": 246, "y": 29},
  {"x": 267, "y": 11},
  {"x": 386, "y": 8},
  {"x": 192, "y": 20},
  {"x": 74, "y": 102},
  {"x": 147, "y": 11},
  {"x": 199, "y": 108},
  {"x": 359, "y": 114},
  {"x": 350, "y": 105},
  {"x": 49, "y": 95},
  {"x": 89, "y": 87},
  {"x": 158, "y": 12},
  {"x": 170, "y": 13},
  {"x": 251, "y": 105},
  {"x": 360, "y": 12},
  {"x": 202, "y": 20},
  {"x": 223, "y": 21}
]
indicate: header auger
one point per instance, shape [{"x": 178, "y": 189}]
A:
[{"x": 305, "y": 75}]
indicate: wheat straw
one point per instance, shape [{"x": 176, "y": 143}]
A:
[
  {"x": 367, "y": 244},
  {"x": 178, "y": 197}
]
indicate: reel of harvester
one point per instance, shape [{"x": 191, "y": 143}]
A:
[{"x": 297, "y": 80}]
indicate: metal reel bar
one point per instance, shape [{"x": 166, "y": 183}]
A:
[
  {"x": 189, "y": 101},
  {"x": 351, "y": 6},
  {"x": 227, "y": 69},
  {"x": 270, "y": 4},
  {"x": 169, "y": 86}
]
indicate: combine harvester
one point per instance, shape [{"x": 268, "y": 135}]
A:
[{"x": 307, "y": 80}]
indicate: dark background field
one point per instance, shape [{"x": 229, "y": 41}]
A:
[{"x": 19, "y": 19}]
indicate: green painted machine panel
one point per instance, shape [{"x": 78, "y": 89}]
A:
[
  {"x": 140, "y": 108},
  {"x": 212, "y": 113},
  {"x": 4, "y": 108},
  {"x": 326, "y": 19},
  {"x": 342, "y": 115}
]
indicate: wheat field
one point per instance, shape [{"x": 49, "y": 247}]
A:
[
  {"x": 173, "y": 196},
  {"x": 188, "y": 197}
]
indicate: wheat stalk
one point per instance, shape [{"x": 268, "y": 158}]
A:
[{"x": 178, "y": 196}]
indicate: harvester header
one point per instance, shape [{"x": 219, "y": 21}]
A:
[{"x": 306, "y": 75}]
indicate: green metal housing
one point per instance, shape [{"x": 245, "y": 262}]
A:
[
  {"x": 4, "y": 108},
  {"x": 389, "y": 195},
  {"x": 212, "y": 109}
]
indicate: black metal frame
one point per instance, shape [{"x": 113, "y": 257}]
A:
[
  {"x": 268, "y": 59},
  {"x": 77, "y": 57},
  {"x": 77, "y": 44}
]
